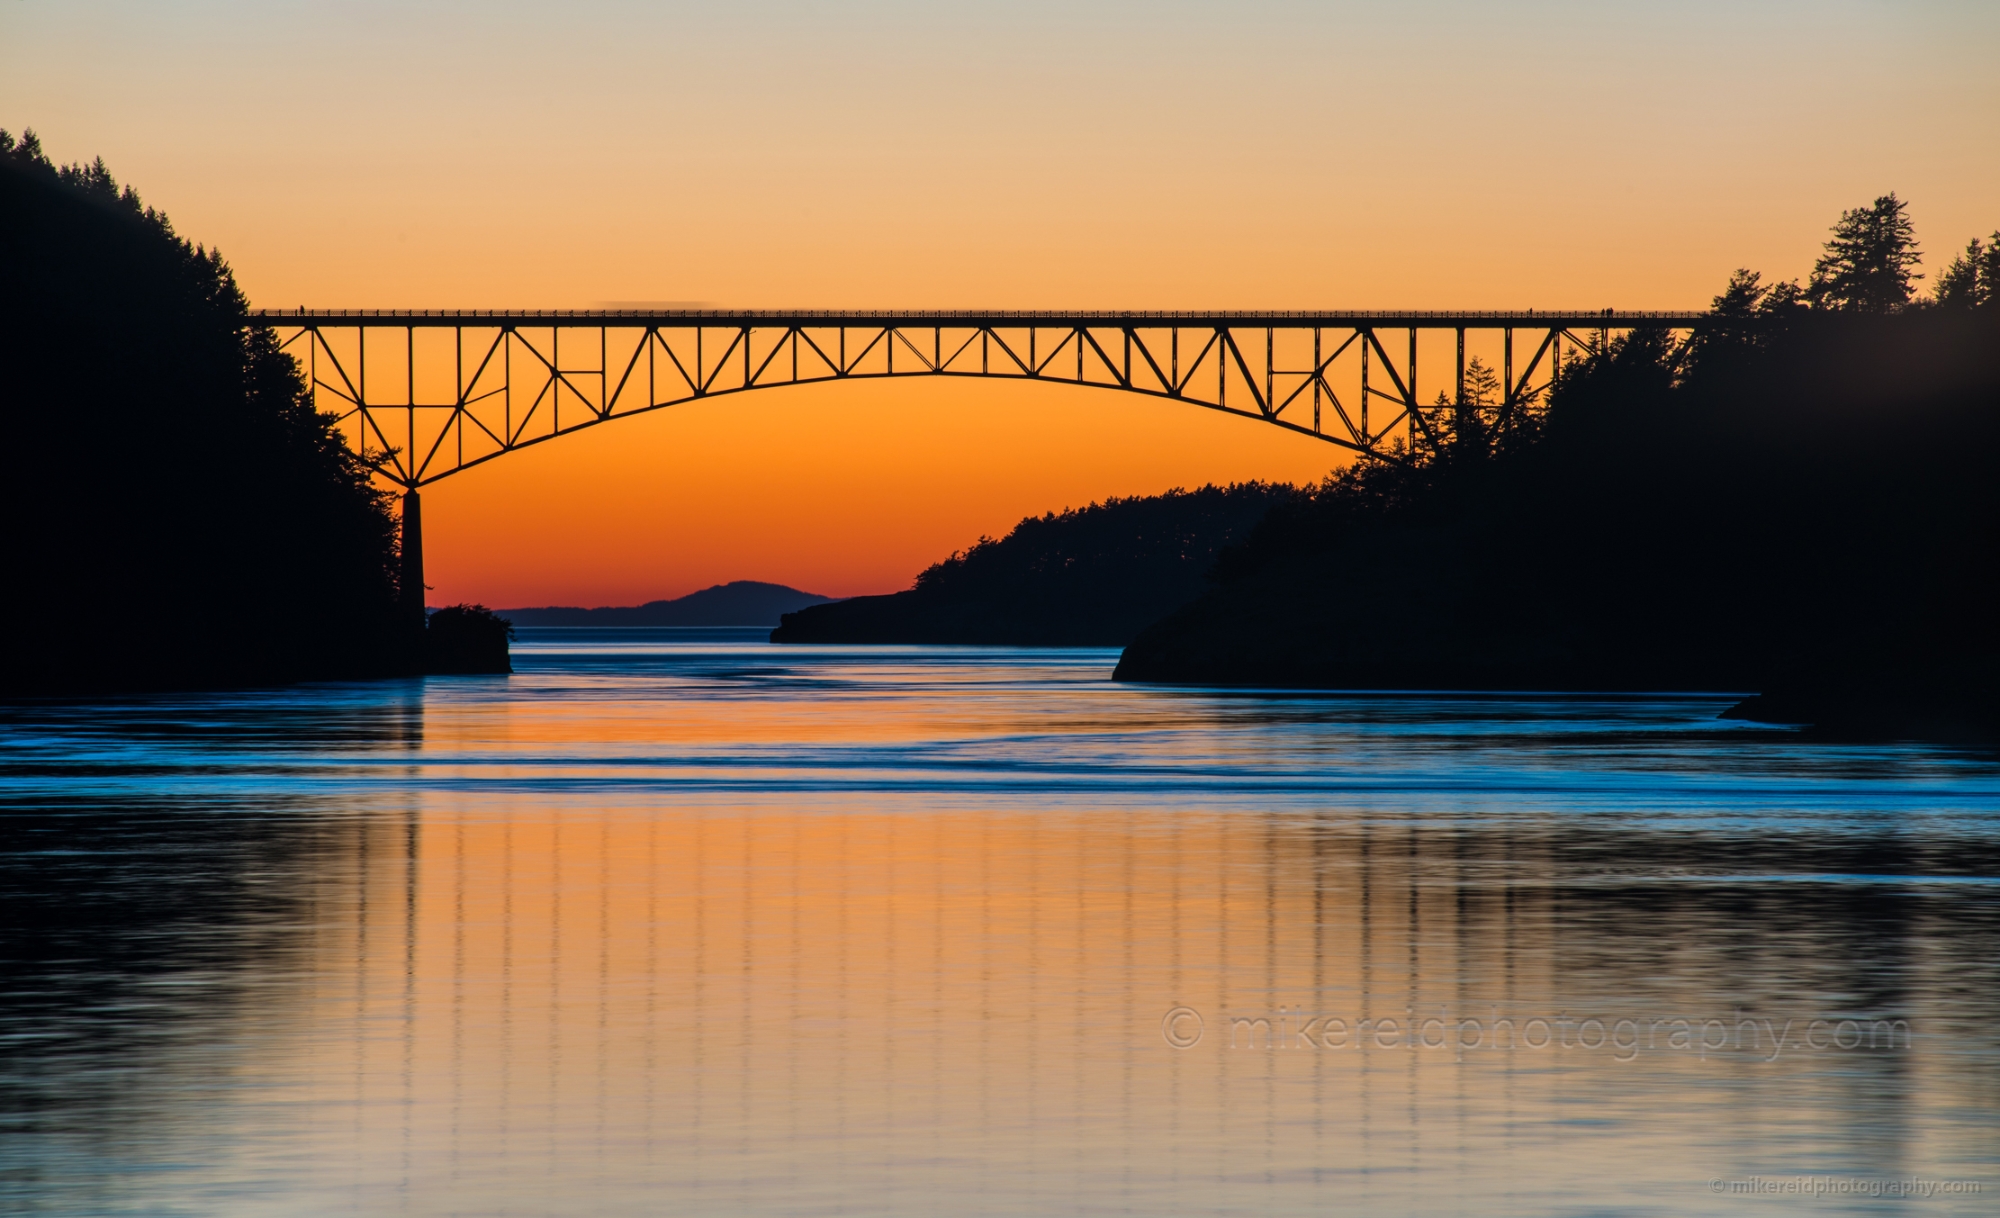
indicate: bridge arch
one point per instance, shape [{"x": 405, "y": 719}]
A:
[
  {"x": 423, "y": 395},
  {"x": 503, "y": 381}
]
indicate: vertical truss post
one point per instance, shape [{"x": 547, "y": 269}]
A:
[
  {"x": 1367, "y": 341},
  {"x": 411, "y": 591},
  {"x": 1127, "y": 332},
  {"x": 1507, "y": 370},
  {"x": 1269, "y": 346},
  {"x": 1316, "y": 380},
  {"x": 1458, "y": 398},
  {"x": 1174, "y": 369},
  {"x": 1411, "y": 386}
]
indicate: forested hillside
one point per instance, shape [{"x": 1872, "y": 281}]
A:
[
  {"x": 1803, "y": 498},
  {"x": 177, "y": 512},
  {"x": 1091, "y": 576}
]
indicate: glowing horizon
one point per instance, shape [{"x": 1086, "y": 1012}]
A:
[{"x": 1371, "y": 155}]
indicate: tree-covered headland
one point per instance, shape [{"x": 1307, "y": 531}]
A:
[
  {"x": 178, "y": 514},
  {"x": 1085, "y": 577},
  {"x": 1802, "y": 499}
]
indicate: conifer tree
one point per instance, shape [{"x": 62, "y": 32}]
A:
[
  {"x": 1971, "y": 280},
  {"x": 1870, "y": 261}
]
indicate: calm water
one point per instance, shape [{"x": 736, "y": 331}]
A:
[{"x": 687, "y": 924}]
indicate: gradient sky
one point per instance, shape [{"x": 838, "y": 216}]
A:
[{"x": 1167, "y": 155}]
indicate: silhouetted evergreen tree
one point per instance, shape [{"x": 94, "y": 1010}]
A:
[
  {"x": 1743, "y": 320},
  {"x": 1972, "y": 279},
  {"x": 1463, "y": 428},
  {"x": 178, "y": 513},
  {"x": 1870, "y": 264}
]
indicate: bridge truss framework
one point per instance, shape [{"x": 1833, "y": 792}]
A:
[
  {"x": 507, "y": 380},
  {"x": 422, "y": 395}
]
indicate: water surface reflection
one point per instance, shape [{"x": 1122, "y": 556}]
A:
[{"x": 703, "y": 926}]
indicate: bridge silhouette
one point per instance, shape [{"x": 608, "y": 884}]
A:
[{"x": 424, "y": 394}]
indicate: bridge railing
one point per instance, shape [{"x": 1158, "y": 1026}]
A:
[{"x": 1424, "y": 318}]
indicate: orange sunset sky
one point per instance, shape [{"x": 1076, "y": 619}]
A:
[{"x": 1444, "y": 154}]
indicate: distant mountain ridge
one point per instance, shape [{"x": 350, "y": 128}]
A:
[{"x": 742, "y": 602}]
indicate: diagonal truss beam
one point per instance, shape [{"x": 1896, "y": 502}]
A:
[{"x": 447, "y": 413}]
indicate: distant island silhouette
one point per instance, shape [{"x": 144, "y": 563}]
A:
[{"x": 741, "y": 602}]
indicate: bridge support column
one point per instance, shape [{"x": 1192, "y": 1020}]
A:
[{"x": 413, "y": 561}]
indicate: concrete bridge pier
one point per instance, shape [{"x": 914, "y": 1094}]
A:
[{"x": 413, "y": 561}]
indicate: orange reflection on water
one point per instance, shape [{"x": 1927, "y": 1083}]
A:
[
  {"x": 712, "y": 927},
  {"x": 738, "y": 1007}
]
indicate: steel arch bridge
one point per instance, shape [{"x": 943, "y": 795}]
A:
[{"x": 422, "y": 395}]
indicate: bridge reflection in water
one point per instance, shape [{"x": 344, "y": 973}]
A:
[
  {"x": 745, "y": 1010},
  {"x": 733, "y": 932}
]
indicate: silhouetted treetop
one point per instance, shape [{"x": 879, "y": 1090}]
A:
[
  {"x": 1870, "y": 263},
  {"x": 1972, "y": 279}
]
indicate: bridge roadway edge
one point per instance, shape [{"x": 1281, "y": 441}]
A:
[{"x": 1616, "y": 319}]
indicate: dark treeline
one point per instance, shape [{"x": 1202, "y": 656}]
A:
[
  {"x": 189, "y": 519},
  {"x": 178, "y": 514},
  {"x": 1798, "y": 499},
  {"x": 1092, "y": 576},
  {"x": 177, "y": 511}
]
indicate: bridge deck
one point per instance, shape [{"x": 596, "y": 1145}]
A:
[{"x": 1486, "y": 319}]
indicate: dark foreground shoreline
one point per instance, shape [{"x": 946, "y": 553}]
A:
[{"x": 1860, "y": 718}]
